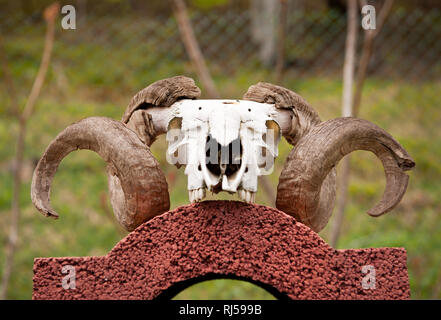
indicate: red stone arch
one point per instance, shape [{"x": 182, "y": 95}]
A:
[{"x": 225, "y": 239}]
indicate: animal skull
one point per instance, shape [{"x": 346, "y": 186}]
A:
[
  {"x": 224, "y": 144},
  {"x": 248, "y": 129}
]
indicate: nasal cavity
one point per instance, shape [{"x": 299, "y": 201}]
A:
[{"x": 223, "y": 160}]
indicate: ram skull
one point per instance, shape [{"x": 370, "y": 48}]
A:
[{"x": 225, "y": 145}]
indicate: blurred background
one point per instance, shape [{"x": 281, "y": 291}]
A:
[{"x": 120, "y": 47}]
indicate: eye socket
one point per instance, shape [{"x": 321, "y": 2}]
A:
[
  {"x": 200, "y": 108},
  {"x": 249, "y": 110}
]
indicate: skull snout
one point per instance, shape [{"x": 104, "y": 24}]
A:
[{"x": 223, "y": 160}]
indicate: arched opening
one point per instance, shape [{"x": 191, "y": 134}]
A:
[{"x": 209, "y": 286}]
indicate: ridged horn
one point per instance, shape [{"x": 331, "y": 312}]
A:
[
  {"x": 293, "y": 109},
  {"x": 139, "y": 189},
  {"x": 147, "y": 113},
  {"x": 306, "y": 187}
]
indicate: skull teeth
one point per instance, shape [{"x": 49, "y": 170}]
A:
[
  {"x": 196, "y": 195},
  {"x": 247, "y": 196}
]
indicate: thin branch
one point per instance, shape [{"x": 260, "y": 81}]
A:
[
  {"x": 281, "y": 41},
  {"x": 268, "y": 189},
  {"x": 368, "y": 44},
  {"x": 193, "y": 49},
  {"x": 50, "y": 13},
  {"x": 14, "y": 108},
  {"x": 348, "y": 79}
]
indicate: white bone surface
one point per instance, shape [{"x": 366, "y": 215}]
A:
[{"x": 225, "y": 121}]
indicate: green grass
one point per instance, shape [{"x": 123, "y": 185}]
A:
[
  {"x": 87, "y": 79},
  {"x": 225, "y": 289}
]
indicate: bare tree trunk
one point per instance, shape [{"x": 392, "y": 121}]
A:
[
  {"x": 50, "y": 14},
  {"x": 193, "y": 49},
  {"x": 263, "y": 28},
  {"x": 368, "y": 45},
  {"x": 198, "y": 60},
  {"x": 348, "y": 80},
  {"x": 281, "y": 41},
  {"x": 14, "y": 109},
  {"x": 349, "y": 63},
  {"x": 366, "y": 55}
]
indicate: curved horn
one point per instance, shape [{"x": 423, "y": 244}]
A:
[
  {"x": 295, "y": 117},
  {"x": 306, "y": 187},
  {"x": 147, "y": 113},
  {"x": 142, "y": 192}
]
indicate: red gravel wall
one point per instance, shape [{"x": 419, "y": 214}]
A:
[{"x": 225, "y": 239}]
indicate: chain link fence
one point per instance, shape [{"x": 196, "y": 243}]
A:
[
  {"x": 407, "y": 47},
  {"x": 119, "y": 47}
]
